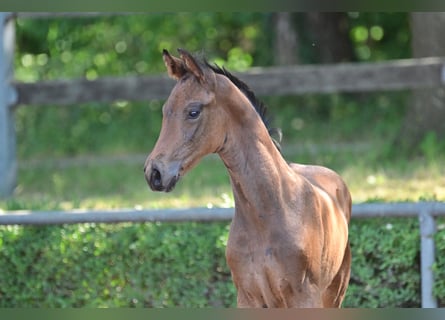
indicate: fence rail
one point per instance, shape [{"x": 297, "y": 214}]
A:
[
  {"x": 343, "y": 77},
  {"x": 31, "y": 217}
]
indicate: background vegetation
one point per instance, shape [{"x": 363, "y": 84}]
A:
[{"x": 161, "y": 265}]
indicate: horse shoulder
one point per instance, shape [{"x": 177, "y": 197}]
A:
[
  {"x": 332, "y": 201},
  {"x": 328, "y": 181}
]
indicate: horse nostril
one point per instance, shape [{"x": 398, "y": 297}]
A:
[{"x": 155, "y": 179}]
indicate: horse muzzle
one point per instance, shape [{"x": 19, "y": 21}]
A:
[{"x": 162, "y": 177}]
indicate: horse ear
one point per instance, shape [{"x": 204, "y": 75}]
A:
[
  {"x": 191, "y": 65},
  {"x": 175, "y": 66}
]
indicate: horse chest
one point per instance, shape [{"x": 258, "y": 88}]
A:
[
  {"x": 252, "y": 257},
  {"x": 265, "y": 274}
]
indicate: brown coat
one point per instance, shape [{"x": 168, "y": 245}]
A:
[{"x": 288, "y": 242}]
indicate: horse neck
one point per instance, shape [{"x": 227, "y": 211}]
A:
[{"x": 259, "y": 175}]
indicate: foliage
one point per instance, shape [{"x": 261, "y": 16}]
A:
[
  {"x": 378, "y": 36},
  {"x": 431, "y": 146},
  {"x": 386, "y": 264},
  {"x": 150, "y": 265},
  {"x": 166, "y": 265},
  {"x": 347, "y": 118},
  {"x": 117, "y": 45},
  {"x": 131, "y": 44},
  {"x": 374, "y": 36}
]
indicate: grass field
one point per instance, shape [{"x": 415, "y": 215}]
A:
[
  {"x": 108, "y": 173},
  {"x": 102, "y": 183}
]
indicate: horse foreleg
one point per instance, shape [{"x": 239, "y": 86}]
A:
[{"x": 334, "y": 294}]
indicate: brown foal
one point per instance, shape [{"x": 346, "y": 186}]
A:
[{"x": 288, "y": 243}]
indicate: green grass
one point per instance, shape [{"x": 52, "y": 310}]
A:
[
  {"x": 351, "y": 135},
  {"x": 112, "y": 185},
  {"x": 121, "y": 184}
]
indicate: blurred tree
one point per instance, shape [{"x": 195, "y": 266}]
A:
[
  {"x": 330, "y": 36},
  {"x": 110, "y": 45},
  {"x": 325, "y": 38},
  {"x": 426, "y": 112},
  {"x": 286, "y": 39},
  {"x": 94, "y": 47}
]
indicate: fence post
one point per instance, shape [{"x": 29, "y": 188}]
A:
[
  {"x": 427, "y": 257},
  {"x": 8, "y": 96}
]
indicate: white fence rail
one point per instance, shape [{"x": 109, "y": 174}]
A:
[
  {"x": 425, "y": 211},
  {"x": 28, "y": 217}
]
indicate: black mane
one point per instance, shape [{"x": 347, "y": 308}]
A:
[{"x": 259, "y": 106}]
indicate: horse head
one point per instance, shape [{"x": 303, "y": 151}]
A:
[{"x": 192, "y": 123}]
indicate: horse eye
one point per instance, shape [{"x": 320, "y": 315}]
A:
[{"x": 194, "y": 114}]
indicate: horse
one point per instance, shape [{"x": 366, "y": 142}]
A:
[{"x": 288, "y": 241}]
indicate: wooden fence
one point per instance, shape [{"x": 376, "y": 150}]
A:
[{"x": 345, "y": 77}]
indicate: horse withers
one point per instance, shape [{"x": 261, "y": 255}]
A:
[{"x": 288, "y": 241}]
